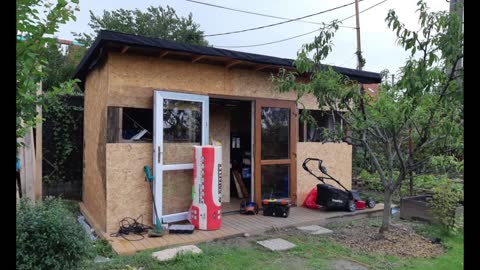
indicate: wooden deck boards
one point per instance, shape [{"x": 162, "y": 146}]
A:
[{"x": 233, "y": 225}]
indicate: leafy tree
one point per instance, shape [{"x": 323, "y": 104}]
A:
[
  {"x": 63, "y": 118},
  {"x": 425, "y": 106},
  {"x": 33, "y": 31},
  {"x": 156, "y": 22},
  {"x": 61, "y": 64}
]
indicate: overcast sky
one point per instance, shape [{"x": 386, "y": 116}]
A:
[{"x": 377, "y": 41}]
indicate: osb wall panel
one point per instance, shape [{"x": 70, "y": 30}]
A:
[
  {"x": 337, "y": 158},
  {"x": 220, "y": 131},
  {"x": 128, "y": 194},
  {"x": 95, "y": 119},
  {"x": 177, "y": 191},
  {"x": 177, "y": 153},
  {"x": 133, "y": 78}
]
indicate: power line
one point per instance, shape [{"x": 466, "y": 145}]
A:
[
  {"x": 297, "y": 36},
  {"x": 348, "y": 61},
  {"x": 275, "y": 24},
  {"x": 381, "y": 2},
  {"x": 268, "y": 43},
  {"x": 259, "y": 14}
]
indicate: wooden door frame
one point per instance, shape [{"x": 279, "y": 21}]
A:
[{"x": 259, "y": 103}]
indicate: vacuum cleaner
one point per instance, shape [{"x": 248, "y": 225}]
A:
[{"x": 333, "y": 198}]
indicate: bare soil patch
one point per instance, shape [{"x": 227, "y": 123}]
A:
[{"x": 401, "y": 240}]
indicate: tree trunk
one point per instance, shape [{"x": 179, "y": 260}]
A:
[
  {"x": 411, "y": 183},
  {"x": 386, "y": 211},
  {"x": 410, "y": 154}
]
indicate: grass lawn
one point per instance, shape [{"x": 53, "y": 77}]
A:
[
  {"x": 311, "y": 252},
  {"x": 452, "y": 259}
]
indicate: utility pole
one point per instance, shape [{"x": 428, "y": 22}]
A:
[
  {"x": 393, "y": 79},
  {"x": 359, "y": 47},
  {"x": 359, "y": 67}
]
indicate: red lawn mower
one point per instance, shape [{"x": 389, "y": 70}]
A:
[{"x": 333, "y": 198}]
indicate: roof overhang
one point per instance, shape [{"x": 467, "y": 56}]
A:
[{"x": 109, "y": 41}]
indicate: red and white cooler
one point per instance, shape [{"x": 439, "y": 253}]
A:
[{"x": 205, "y": 212}]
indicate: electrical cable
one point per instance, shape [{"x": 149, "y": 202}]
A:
[
  {"x": 130, "y": 225},
  {"x": 272, "y": 42},
  {"x": 275, "y": 24},
  {"x": 259, "y": 14},
  {"x": 297, "y": 36},
  {"x": 381, "y": 2},
  {"x": 348, "y": 61}
]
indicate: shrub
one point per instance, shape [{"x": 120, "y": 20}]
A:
[
  {"x": 445, "y": 199},
  {"x": 49, "y": 237},
  {"x": 103, "y": 248},
  {"x": 372, "y": 181}
]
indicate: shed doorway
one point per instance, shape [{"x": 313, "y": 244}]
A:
[
  {"x": 275, "y": 150},
  {"x": 231, "y": 124}
]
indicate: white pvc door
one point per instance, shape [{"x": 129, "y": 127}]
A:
[{"x": 180, "y": 122}]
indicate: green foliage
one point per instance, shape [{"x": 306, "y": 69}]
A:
[
  {"x": 445, "y": 199},
  {"x": 378, "y": 197},
  {"x": 64, "y": 116},
  {"x": 361, "y": 59},
  {"x": 33, "y": 30},
  {"x": 66, "y": 119},
  {"x": 155, "y": 22},
  {"x": 424, "y": 108},
  {"x": 446, "y": 164},
  {"x": 49, "y": 237},
  {"x": 422, "y": 184},
  {"x": 372, "y": 181},
  {"x": 311, "y": 252},
  {"x": 61, "y": 65},
  {"x": 103, "y": 248}
]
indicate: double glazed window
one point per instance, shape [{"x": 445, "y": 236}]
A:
[{"x": 324, "y": 122}]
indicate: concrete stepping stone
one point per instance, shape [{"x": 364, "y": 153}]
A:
[
  {"x": 315, "y": 229},
  {"x": 168, "y": 254},
  {"x": 323, "y": 231},
  {"x": 347, "y": 265},
  {"x": 101, "y": 259},
  {"x": 276, "y": 244}
]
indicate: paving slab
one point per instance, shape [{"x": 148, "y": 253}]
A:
[
  {"x": 315, "y": 229},
  {"x": 322, "y": 231},
  {"x": 101, "y": 259},
  {"x": 310, "y": 228},
  {"x": 168, "y": 254},
  {"x": 276, "y": 244},
  {"x": 347, "y": 265}
]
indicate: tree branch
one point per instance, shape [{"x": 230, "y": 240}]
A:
[
  {"x": 375, "y": 160},
  {"x": 403, "y": 171}
]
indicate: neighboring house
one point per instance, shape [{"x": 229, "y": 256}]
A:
[
  {"x": 371, "y": 89},
  {"x": 186, "y": 95}
]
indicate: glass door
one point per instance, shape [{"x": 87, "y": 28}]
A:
[
  {"x": 180, "y": 122},
  {"x": 275, "y": 149}
]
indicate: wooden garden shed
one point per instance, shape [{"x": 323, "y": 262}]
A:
[{"x": 148, "y": 101}]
